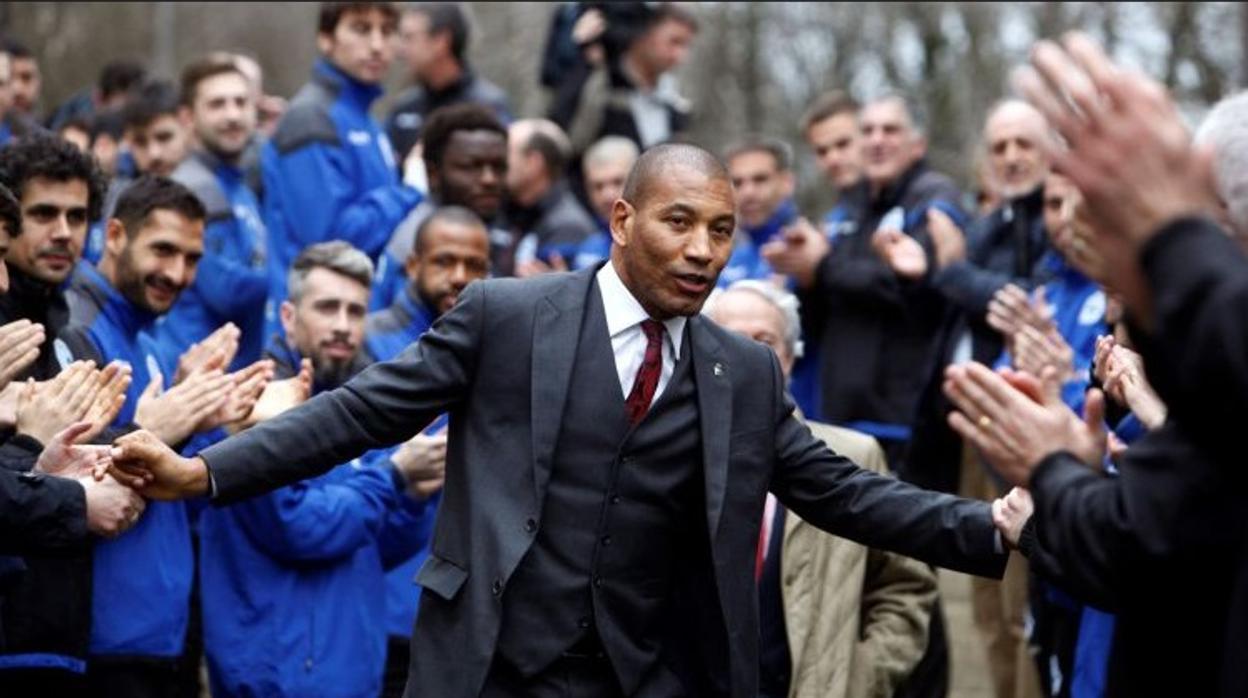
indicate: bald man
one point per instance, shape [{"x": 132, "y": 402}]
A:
[{"x": 608, "y": 457}]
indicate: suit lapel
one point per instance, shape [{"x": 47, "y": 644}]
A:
[
  {"x": 556, "y": 333},
  {"x": 714, "y": 414}
]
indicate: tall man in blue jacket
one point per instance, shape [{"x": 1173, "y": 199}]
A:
[
  {"x": 452, "y": 250},
  {"x": 293, "y": 582},
  {"x": 232, "y": 283},
  {"x": 142, "y": 580},
  {"x": 329, "y": 172}
]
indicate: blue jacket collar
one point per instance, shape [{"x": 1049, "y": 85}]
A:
[
  {"x": 784, "y": 215},
  {"x": 216, "y": 164},
  {"x": 127, "y": 316},
  {"x": 358, "y": 93},
  {"x": 413, "y": 309}
]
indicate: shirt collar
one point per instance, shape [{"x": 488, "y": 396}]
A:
[{"x": 625, "y": 312}]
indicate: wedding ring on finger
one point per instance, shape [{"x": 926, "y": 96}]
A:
[{"x": 984, "y": 422}]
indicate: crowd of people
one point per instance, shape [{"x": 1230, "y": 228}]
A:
[{"x": 289, "y": 288}]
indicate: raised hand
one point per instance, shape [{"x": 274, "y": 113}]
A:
[
  {"x": 214, "y": 352},
  {"x": 113, "y": 383},
  {"x": 142, "y": 461},
  {"x": 247, "y": 385},
  {"x": 1034, "y": 351},
  {"x": 19, "y": 347},
  {"x": 798, "y": 251},
  {"x": 1015, "y": 420},
  {"x": 175, "y": 414},
  {"x": 1011, "y": 309},
  {"x": 45, "y": 408},
  {"x": 1125, "y": 382},
  {"x": 112, "y": 508},
  {"x": 902, "y": 253},
  {"x": 279, "y": 396},
  {"x": 1011, "y": 512},
  {"x": 61, "y": 456}
]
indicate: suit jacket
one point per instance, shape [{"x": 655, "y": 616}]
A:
[{"x": 499, "y": 363}]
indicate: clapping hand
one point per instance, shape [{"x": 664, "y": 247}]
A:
[
  {"x": 246, "y": 386},
  {"x": 279, "y": 396},
  {"x": 20, "y": 341},
  {"x": 173, "y": 415},
  {"x": 1121, "y": 372},
  {"x": 798, "y": 251},
  {"x": 214, "y": 352},
  {"x": 902, "y": 253},
  {"x": 45, "y": 408},
  {"x": 1016, "y": 420},
  {"x": 948, "y": 240},
  {"x": 1034, "y": 351}
]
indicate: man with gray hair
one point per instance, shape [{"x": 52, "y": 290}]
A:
[
  {"x": 604, "y": 169},
  {"x": 837, "y": 619},
  {"x": 280, "y": 569},
  {"x": 1225, "y": 132}
]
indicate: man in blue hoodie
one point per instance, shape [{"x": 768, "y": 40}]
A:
[
  {"x": 142, "y": 580},
  {"x": 294, "y": 592},
  {"x": 232, "y": 284},
  {"x": 329, "y": 171}
]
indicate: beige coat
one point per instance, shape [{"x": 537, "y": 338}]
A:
[{"x": 856, "y": 618}]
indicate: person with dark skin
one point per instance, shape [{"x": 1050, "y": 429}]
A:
[{"x": 633, "y": 577}]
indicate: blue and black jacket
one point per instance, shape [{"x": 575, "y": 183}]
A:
[
  {"x": 329, "y": 174},
  {"x": 231, "y": 283},
  {"x": 294, "y": 581},
  {"x": 142, "y": 579}
]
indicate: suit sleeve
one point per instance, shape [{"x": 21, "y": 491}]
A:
[
  {"x": 41, "y": 515},
  {"x": 319, "y": 188},
  {"x": 385, "y": 404},
  {"x": 319, "y": 521},
  {"x": 878, "y": 511}
]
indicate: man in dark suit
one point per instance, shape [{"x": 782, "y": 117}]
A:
[{"x": 594, "y": 542}]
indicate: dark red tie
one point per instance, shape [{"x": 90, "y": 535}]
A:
[{"x": 647, "y": 380}]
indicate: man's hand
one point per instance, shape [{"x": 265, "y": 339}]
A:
[
  {"x": 112, "y": 508},
  {"x": 277, "y": 397},
  {"x": 1126, "y": 149},
  {"x": 902, "y": 253},
  {"x": 175, "y": 414},
  {"x": 62, "y": 457},
  {"x": 1011, "y": 512},
  {"x": 422, "y": 460},
  {"x": 536, "y": 267},
  {"x": 43, "y": 409},
  {"x": 1015, "y": 420},
  {"x": 1034, "y": 351},
  {"x": 1010, "y": 310},
  {"x": 20, "y": 341},
  {"x": 246, "y": 386},
  {"x": 215, "y": 352},
  {"x": 798, "y": 252},
  {"x": 948, "y": 240},
  {"x": 143, "y": 462},
  {"x": 113, "y": 383}
]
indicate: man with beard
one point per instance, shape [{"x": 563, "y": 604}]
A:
[
  {"x": 232, "y": 284},
  {"x": 291, "y": 580},
  {"x": 465, "y": 153},
  {"x": 452, "y": 250},
  {"x": 142, "y": 580},
  {"x": 155, "y": 134}
]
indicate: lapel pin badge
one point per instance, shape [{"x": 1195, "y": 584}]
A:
[{"x": 718, "y": 369}]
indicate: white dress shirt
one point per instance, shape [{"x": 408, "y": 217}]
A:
[{"x": 628, "y": 341}]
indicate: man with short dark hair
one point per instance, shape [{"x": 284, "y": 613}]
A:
[
  {"x": 156, "y": 135},
  {"x": 293, "y": 581},
  {"x": 27, "y": 80},
  {"x": 232, "y": 284},
  {"x": 433, "y": 43},
  {"x": 609, "y": 453},
  {"x": 830, "y": 126},
  {"x": 465, "y": 156},
  {"x": 14, "y": 123},
  {"x": 329, "y": 171},
  {"x": 141, "y": 581}
]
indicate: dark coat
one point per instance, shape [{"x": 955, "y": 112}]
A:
[{"x": 499, "y": 362}]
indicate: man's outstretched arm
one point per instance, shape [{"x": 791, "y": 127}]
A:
[{"x": 385, "y": 404}]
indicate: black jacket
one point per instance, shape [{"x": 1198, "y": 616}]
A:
[
  {"x": 1165, "y": 545},
  {"x": 875, "y": 330},
  {"x": 413, "y": 106},
  {"x": 1003, "y": 247},
  {"x": 31, "y": 299}
]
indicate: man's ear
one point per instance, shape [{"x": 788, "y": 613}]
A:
[
  {"x": 411, "y": 266},
  {"x": 787, "y": 182},
  {"x": 324, "y": 43},
  {"x": 286, "y": 313},
  {"x": 115, "y": 237},
  {"x": 185, "y": 118},
  {"x": 623, "y": 217},
  {"x": 920, "y": 147}
]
